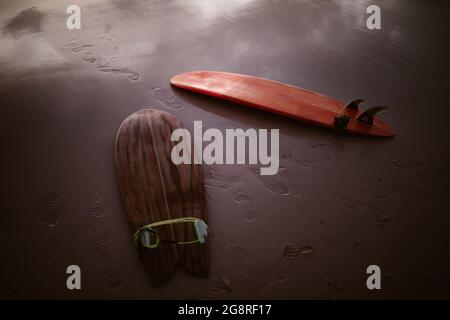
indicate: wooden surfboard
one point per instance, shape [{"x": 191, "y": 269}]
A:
[
  {"x": 286, "y": 100},
  {"x": 154, "y": 189}
]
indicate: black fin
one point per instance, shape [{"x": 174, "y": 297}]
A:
[
  {"x": 368, "y": 115},
  {"x": 353, "y": 105}
]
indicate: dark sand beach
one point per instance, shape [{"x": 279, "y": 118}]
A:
[{"x": 338, "y": 203}]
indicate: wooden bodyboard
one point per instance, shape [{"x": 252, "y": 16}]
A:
[{"x": 153, "y": 189}]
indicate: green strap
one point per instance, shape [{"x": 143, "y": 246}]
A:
[{"x": 146, "y": 233}]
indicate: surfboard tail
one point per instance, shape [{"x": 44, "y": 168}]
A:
[
  {"x": 160, "y": 263},
  {"x": 195, "y": 258}
]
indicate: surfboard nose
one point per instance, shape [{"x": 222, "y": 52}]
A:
[{"x": 190, "y": 78}]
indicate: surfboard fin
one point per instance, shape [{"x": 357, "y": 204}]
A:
[
  {"x": 354, "y": 105},
  {"x": 368, "y": 115},
  {"x": 341, "y": 120}
]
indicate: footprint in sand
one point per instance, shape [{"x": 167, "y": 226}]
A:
[
  {"x": 373, "y": 212},
  {"x": 280, "y": 183},
  {"x": 319, "y": 154},
  {"x": 216, "y": 287},
  {"x": 291, "y": 252},
  {"x": 286, "y": 269},
  {"x": 110, "y": 272},
  {"x": 97, "y": 204},
  {"x": 243, "y": 199},
  {"x": 246, "y": 264},
  {"x": 50, "y": 247},
  {"x": 108, "y": 64},
  {"x": 82, "y": 48},
  {"x": 166, "y": 99},
  {"x": 111, "y": 64},
  {"x": 424, "y": 169},
  {"x": 288, "y": 156},
  {"x": 106, "y": 36},
  {"x": 50, "y": 210},
  {"x": 97, "y": 234},
  {"x": 217, "y": 179},
  {"x": 407, "y": 165}
]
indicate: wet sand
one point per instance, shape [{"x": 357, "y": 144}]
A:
[{"x": 338, "y": 203}]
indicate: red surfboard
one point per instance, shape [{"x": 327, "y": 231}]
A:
[{"x": 287, "y": 100}]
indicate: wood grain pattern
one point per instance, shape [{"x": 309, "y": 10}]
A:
[{"x": 154, "y": 189}]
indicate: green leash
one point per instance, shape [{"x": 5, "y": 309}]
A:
[{"x": 146, "y": 233}]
